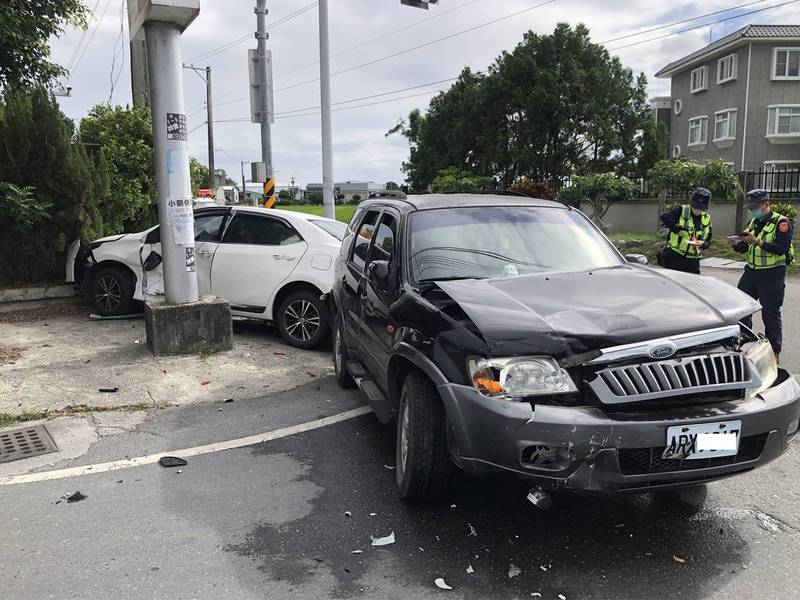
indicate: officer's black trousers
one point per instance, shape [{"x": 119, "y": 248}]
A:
[
  {"x": 767, "y": 286},
  {"x": 678, "y": 262}
]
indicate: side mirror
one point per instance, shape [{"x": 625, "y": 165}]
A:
[
  {"x": 638, "y": 259},
  {"x": 378, "y": 272},
  {"x": 152, "y": 261}
]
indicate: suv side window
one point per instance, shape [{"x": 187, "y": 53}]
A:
[
  {"x": 365, "y": 234},
  {"x": 260, "y": 231},
  {"x": 384, "y": 246},
  {"x": 355, "y": 219}
]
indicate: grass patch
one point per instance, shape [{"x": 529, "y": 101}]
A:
[
  {"x": 33, "y": 415},
  {"x": 344, "y": 212}
]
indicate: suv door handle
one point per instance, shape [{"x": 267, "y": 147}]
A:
[
  {"x": 204, "y": 253},
  {"x": 283, "y": 257}
]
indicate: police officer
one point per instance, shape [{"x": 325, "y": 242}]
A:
[
  {"x": 690, "y": 232},
  {"x": 768, "y": 244}
]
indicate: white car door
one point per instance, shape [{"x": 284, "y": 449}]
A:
[
  {"x": 257, "y": 253},
  {"x": 207, "y": 230}
]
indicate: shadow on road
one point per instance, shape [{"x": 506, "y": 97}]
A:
[{"x": 630, "y": 547}]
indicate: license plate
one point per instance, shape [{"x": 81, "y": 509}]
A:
[{"x": 707, "y": 440}]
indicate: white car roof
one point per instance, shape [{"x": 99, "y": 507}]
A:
[{"x": 289, "y": 214}]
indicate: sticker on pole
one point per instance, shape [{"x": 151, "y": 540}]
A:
[
  {"x": 180, "y": 209},
  {"x": 190, "y": 260},
  {"x": 176, "y": 127}
]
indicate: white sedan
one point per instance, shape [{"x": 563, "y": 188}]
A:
[{"x": 272, "y": 265}]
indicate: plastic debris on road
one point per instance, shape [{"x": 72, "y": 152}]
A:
[
  {"x": 357, "y": 552},
  {"x": 390, "y": 467},
  {"x": 441, "y": 584},
  {"x": 75, "y": 497},
  {"x": 513, "y": 571},
  {"x": 472, "y": 531},
  {"x": 767, "y": 523},
  {"x": 348, "y": 514},
  {"x": 383, "y": 541},
  {"x": 536, "y": 595},
  {"x": 562, "y": 597},
  {"x": 470, "y": 570},
  {"x": 678, "y": 559},
  {"x": 109, "y": 390},
  {"x": 540, "y": 498},
  {"x": 204, "y": 382},
  {"x": 171, "y": 461}
]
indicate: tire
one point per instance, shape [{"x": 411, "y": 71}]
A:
[
  {"x": 423, "y": 467},
  {"x": 111, "y": 292},
  {"x": 303, "y": 320},
  {"x": 340, "y": 355}
]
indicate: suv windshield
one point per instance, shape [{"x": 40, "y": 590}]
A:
[
  {"x": 482, "y": 242},
  {"x": 335, "y": 228}
]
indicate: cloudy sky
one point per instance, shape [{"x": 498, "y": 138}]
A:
[{"x": 363, "y": 31}]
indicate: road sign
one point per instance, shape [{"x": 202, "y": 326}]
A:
[{"x": 255, "y": 87}]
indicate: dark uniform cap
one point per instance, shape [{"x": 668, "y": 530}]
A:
[
  {"x": 701, "y": 198},
  {"x": 755, "y": 198}
]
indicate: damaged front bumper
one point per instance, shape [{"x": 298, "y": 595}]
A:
[{"x": 594, "y": 450}]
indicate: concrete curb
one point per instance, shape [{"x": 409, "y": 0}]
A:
[{"x": 25, "y": 298}]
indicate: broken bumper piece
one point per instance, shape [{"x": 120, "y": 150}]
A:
[{"x": 599, "y": 450}]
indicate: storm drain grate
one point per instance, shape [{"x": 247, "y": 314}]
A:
[{"x": 25, "y": 443}]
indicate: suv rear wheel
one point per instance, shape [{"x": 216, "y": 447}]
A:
[
  {"x": 424, "y": 468},
  {"x": 111, "y": 292},
  {"x": 340, "y": 355}
]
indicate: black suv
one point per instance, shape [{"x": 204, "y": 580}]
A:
[{"x": 505, "y": 334}]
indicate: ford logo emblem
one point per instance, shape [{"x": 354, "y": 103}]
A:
[{"x": 664, "y": 350}]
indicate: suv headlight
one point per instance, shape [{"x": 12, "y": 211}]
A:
[
  {"x": 764, "y": 364},
  {"x": 519, "y": 377}
]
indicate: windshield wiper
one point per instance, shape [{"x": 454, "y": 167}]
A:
[{"x": 450, "y": 278}]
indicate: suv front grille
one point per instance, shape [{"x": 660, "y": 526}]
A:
[
  {"x": 692, "y": 374},
  {"x": 642, "y": 461}
]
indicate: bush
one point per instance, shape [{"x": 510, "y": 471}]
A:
[
  {"x": 600, "y": 190},
  {"x": 454, "y": 180},
  {"x": 314, "y": 198},
  {"x": 356, "y": 198},
  {"x": 533, "y": 189},
  {"x": 681, "y": 176},
  {"x": 787, "y": 210}
]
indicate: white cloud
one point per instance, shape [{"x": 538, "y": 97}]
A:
[{"x": 361, "y": 150}]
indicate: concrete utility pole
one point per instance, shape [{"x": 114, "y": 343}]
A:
[
  {"x": 243, "y": 199},
  {"x": 266, "y": 132},
  {"x": 171, "y": 153},
  {"x": 325, "y": 103},
  {"x": 210, "y": 117}
]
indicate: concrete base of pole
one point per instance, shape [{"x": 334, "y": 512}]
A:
[{"x": 191, "y": 328}]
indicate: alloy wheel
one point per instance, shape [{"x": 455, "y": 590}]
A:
[
  {"x": 108, "y": 293},
  {"x": 403, "y": 439},
  {"x": 301, "y": 320}
]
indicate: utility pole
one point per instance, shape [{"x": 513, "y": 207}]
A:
[
  {"x": 325, "y": 103},
  {"x": 171, "y": 154},
  {"x": 209, "y": 123},
  {"x": 266, "y": 132},
  {"x": 210, "y": 117}
]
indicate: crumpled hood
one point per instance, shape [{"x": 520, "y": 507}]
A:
[
  {"x": 570, "y": 313},
  {"x": 114, "y": 238}
]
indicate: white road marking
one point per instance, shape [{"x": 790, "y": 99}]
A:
[{"x": 186, "y": 452}]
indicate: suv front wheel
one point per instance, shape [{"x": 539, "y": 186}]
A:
[{"x": 424, "y": 468}]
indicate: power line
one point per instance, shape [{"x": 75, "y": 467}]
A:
[
  {"x": 80, "y": 41},
  {"x": 89, "y": 43},
  {"x": 249, "y": 36},
  {"x": 113, "y": 80},
  {"x": 386, "y": 35},
  {"x": 425, "y": 45},
  {"x": 711, "y": 14},
  {"x": 739, "y": 16}
]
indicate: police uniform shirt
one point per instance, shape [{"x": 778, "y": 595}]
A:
[
  {"x": 671, "y": 218},
  {"x": 783, "y": 236}
]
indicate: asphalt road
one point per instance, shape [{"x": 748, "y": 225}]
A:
[{"x": 270, "y": 520}]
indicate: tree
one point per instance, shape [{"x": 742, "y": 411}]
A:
[
  {"x": 601, "y": 191},
  {"x": 654, "y": 142},
  {"x": 555, "y": 105},
  {"x": 38, "y": 152},
  {"x": 125, "y": 136},
  {"x": 198, "y": 173},
  {"x": 26, "y": 27},
  {"x": 391, "y": 185},
  {"x": 680, "y": 176},
  {"x": 285, "y": 195},
  {"x": 533, "y": 189},
  {"x": 453, "y": 180},
  {"x": 356, "y": 198}
]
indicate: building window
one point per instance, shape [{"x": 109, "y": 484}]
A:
[
  {"x": 786, "y": 63},
  {"x": 697, "y": 80},
  {"x": 698, "y": 131},
  {"x": 783, "y": 124},
  {"x": 725, "y": 124},
  {"x": 726, "y": 69}
]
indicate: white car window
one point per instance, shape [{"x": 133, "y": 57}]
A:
[{"x": 260, "y": 231}]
